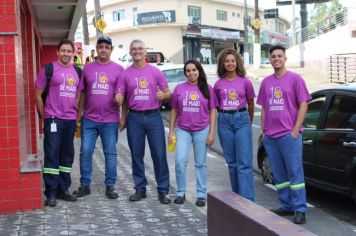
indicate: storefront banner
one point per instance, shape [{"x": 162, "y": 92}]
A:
[
  {"x": 154, "y": 17},
  {"x": 273, "y": 38},
  {"x": 220, "y": 34}
]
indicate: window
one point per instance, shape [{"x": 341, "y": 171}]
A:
[
  {"x": 342, "y": 113},
  {"x": 118, "y": 15},
  {"x": 221, "y": 15},
  {"x": 313, "y": 114},
  {"x": 194, "y": 11}
]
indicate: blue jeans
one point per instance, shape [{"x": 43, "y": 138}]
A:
[
  {"x": 138, "y": 126},
  {"x": 59, "y": 155},
  {"x": 285, "y": 156},
  {"x": 235, "y": 134},
  {"x": 184, "y": 141},
  {"x": 108, "y": 133}
]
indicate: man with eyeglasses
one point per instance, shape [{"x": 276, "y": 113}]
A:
[
  {"x": 143, "y": 88},
  {"x": 99, "y": 116}
]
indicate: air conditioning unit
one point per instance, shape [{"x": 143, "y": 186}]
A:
[{"x": 193, "y": 20}]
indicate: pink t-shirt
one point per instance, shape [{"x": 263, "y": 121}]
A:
[
  {"x": 61, "y": 98},
  {"x": 280, "y": 98},
  {"x": 99, "y": 83},
  {"x": 140, "y": 87},
  {"x": 233, "y": 95},
  {"x": 192, "y": 107}
]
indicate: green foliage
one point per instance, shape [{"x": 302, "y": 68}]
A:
[{"x": 323, "y": 10}]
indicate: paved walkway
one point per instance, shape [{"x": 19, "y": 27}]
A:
[{"x": 97, "y": 215}]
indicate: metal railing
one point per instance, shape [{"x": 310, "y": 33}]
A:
[
  {"x": 342, "y": 68},
  {"x": 319, "y": 28}
]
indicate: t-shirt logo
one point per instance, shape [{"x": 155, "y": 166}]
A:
[
  {"x": 231, "y": 100},
  {"x": 143, "y": 83},
  {"x": 276, "y": 101},
  {"x": 142, "y": 91},
  {"x": 103, "y": 79},
  {"x": 232, "y": 94},
  {"x": 191, "y": 102},
  {"x": 67, "y": 88},
  {"x": 193, "y": 96},
  {"x": 70, "y": 80},
  {"x": 100, "y": 85},
  {"x": 277, "y": 92}
]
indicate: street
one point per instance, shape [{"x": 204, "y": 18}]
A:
[{"x": 327, "y": 207}]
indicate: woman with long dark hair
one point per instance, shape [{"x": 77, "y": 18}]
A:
[
  {"x": 235, "y": 96},
  {"x": 192, "y": 121}
]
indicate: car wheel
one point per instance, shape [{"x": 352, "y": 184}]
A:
[{"x": 266, "y": 169}]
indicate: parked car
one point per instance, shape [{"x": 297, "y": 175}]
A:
[
  {"x": 175, "y": 75},
  {"x": 151, "y": 57},
  {"x": 329, "y": 142}
]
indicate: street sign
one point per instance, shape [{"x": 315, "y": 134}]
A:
[
  {"x": 100, "y": 24},
  {"x": 289, "y": 2},
  {"x": 271, "y": 13}
]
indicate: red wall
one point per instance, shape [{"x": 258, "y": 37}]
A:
[
  {"x": 18, "y": 139},
  {"x": 49, "y": 54}
]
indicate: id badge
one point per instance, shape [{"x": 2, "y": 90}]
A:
[{"x": 53, "y": 127}]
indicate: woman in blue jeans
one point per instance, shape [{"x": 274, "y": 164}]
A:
[
  {"x": 235, "y": 96},
  {"x": 194, "y": 116}
]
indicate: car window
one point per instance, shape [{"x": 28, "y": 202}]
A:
[
  {"x": 174, "y": 75},
  {"x": 342, "y": 113},
  {"x": 313, "y": 114},
  {"x": 152, "y": 57}
]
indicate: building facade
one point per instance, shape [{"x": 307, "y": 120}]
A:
[{"x": 184, "y": 29}]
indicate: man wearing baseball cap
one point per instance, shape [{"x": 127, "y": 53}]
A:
[{"x": 99, "y": 115}]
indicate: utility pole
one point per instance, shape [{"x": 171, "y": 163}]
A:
[
  {"x": 85, "y": 33},
  {"x": 246, "y": 54},
  {"x": 294, "y": 40},
  {"x": 85, "y": 26},
  {"x": 256, "y": 44},
  {"x": 257, "y": 31},
  {"x": 97, "y": 13}
]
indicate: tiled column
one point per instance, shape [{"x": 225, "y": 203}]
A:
[{"x": 18, "y": 191}]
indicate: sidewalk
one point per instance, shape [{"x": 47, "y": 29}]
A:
[{"x": 97, "y": 215}]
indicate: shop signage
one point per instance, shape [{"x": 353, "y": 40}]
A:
[
  {"x": 154, "y": 17},
  {"x": 273, "y": 38},
  {"x": 220, "y": 34}
]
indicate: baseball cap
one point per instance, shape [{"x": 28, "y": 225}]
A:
[{"x": 104, "y": 39}]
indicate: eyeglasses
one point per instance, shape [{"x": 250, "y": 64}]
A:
[{"x": 137, "y": 49}]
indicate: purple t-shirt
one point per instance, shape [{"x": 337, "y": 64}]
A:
[
  {"x": 140, "y": 87},
  {"x": 192, "y": 107},
  {"x": 280, "y": 98},
  {"x": 233, "y": 95},
  {"x": 61, "y": 99},
  {"x": 99, "y": 83}
]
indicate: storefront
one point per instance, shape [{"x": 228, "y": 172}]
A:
[
  {"x": 205, "y": 43},
  {"x": 268, "y": 39}
]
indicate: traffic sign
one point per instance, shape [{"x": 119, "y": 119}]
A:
[
  {"x": 100, "y": 24},
  {"x": 271, "y": 13}
]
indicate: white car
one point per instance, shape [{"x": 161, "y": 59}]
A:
[
  {"x": 175, "y": 75},
  {"x": 153, "y": 57}
]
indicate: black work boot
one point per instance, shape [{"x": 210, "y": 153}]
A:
[
  {"x": 82, "y": 191},
  {"x": 163, "y": 198},
  {"x": 110, "y": 193},
  {"x": 137, "y": 196},
  {"x": 66, "y": 196}
]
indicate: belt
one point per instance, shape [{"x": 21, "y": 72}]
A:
[
  {"x": 232, "y": 111},
  {"x": 145, "y": 112}
]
